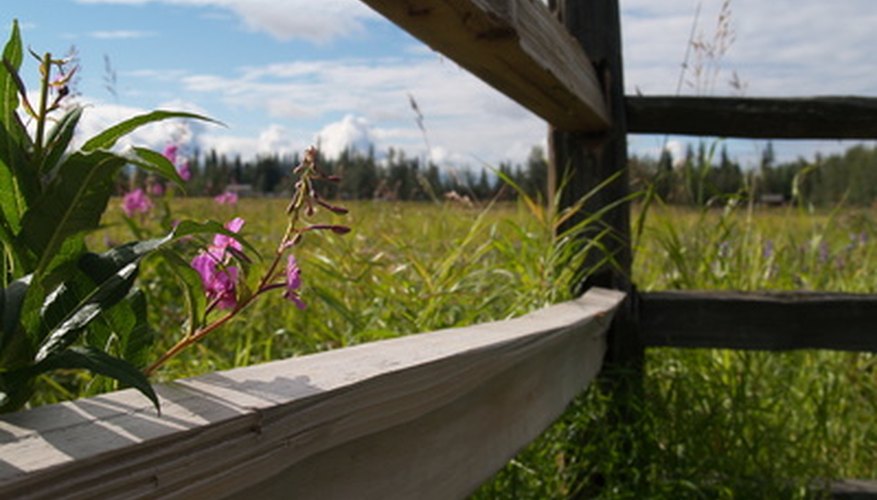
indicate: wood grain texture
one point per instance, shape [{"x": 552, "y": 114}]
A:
[
  {"x": 435, "y": 413},
  {"x": 517, "y": 47},
  {"x": 841, "y": 117},
  {"x": 760, "y": 321}
]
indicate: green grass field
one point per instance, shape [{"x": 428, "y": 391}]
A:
[{"x": 710, "y": 423}]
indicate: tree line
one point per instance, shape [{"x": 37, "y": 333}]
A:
[
  {"x": 395, "y": 176},
  {"x": 705, "y": 173}
]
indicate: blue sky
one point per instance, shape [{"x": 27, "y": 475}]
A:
[{"x": 283, "y": 74}]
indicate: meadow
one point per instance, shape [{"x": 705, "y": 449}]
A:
[{"x": 708, "y": 423}]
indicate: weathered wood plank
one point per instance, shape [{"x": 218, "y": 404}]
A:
[
  {"x": 433, "y": 414},
  {"x": 853, "y": 489},
  {"x": 760, "y": 321},
  {"x": 514, "y": 45},
  {"x": 841, "y": 117}
]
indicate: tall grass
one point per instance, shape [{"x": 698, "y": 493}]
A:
[
  {"x": 710, "y": 423},
  {"x": 722, "y": 423}
]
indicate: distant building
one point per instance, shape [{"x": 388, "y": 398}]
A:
[
  {"x": 240, "y": 189},
  {"x": 772, "y": 199}
]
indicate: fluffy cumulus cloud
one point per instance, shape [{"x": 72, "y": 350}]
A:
[
  {"x": 463, "y": 119},
  {"x": 317, "y": 21},
  {"x": 351, "y": 132}
]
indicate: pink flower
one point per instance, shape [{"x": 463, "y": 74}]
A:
[
  {"x": 293, "y": 282},
  {"x": 219, "y": 282},
  {"x": 183, "y": 170},
  {"x": 220, "y": 279},
  {"x": 221, "y": 242},
  {"x": 136, "y": 202},
  {"x": 226, "y": 198},
  {"x": 156, "y": 189},
  {"x": 170, "y": 152}
]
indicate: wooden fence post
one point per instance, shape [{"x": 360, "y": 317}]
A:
[{"x": 586, "y": 160}]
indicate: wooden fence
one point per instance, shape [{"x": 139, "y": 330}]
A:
[
  {"x": 443, "y": 411},
  {"x": 426, "y": 416}
]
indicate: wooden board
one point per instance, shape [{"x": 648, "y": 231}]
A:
[
  {"x": 433, "y": 414},
  {"x": 514, "y": 45},
  {"x": 761, "y": 321},
  {"x": 841, "y": 117}
]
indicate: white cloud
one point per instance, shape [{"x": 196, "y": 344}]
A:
[
  {"x": 782, "y": 47},
  {"x": 317, "y": 21},
  {"x": 351, "y": 132},
  {"x": 462, "y": 115},
  {"x": 121, "y": 34}
]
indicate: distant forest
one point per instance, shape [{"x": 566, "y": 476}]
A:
[{"x": 706, "y": 173}]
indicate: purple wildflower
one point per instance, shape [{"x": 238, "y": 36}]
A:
[
  {"x": 767, "y": 249},
  {"x": 136, "y": 202},
  {"x": 170, "y": 152},
  {"x": 219, "y": 279},
  {"x": 156, "y": 190},
  {"x": 221, "y": 242},
  {"x": 183, "y": 170},
  {"x": 293, "y": 282},
  {"x": 219, "y": 282},
  {"x": 226, "y": 198},
  {"x": 823, "y": 253}
]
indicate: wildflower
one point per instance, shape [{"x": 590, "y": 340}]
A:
[
  {"x": 220, "y": 282},
  {"x": 221, "y": 242},
  {"x": 220, "y": 279},
  {"x": 293, "y": 282},
  {"x": 767, "y": 250},
  {"x": 183, "y": 170},
  {"x": 136, "y": 202},
  {"x": 156, "y": 190},
  {"x": 170, "y": 152},
  {"x": 226, "y": 198}
]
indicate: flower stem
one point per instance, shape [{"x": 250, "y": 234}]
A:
[{"x": 45, "y": 69}]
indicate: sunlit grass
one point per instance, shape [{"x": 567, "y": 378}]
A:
[{"x": 710, "y": 423}]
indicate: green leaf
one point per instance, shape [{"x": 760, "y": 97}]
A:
[
  {"x": 66, "y": 329},
  {"x": 151, "y": 161},
  {"x": 101, "y": 363},
  {"x": 73, "y": 202},
  {"x": 107, "y": 139},
  {"x": 59, "y": 140},
  {"x": 19, "y": 185},
  {"x": 103, "y": 279},
  {"x": 12, "y": 57},
  {"x": 15, "y": 347},
  {"x": 123, "y": 330},
  {"x": 193, "y": 290}
]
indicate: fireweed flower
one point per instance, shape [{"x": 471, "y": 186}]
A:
[
  {"x": 170, "y": 152},
  {"x": 220, "y": 282},
  {"x": 183, "y": 170},
  {"x": 136, "y": 202},
  {"x": 218, "y": 278},
  {"x": 293, "y": 282},
  {"x": 226, "y": 198},
  {"x": 156, "y": 189}
]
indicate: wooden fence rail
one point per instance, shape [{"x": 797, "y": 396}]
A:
[
  {"x": 759, "y": 321},
  {"x": 841, "y": 117},
  {"x": 426, "y": 416},
  {"x": 518, "y": 47}
]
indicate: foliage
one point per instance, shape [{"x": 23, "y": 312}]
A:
[{"x": 62, "y": 306}]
